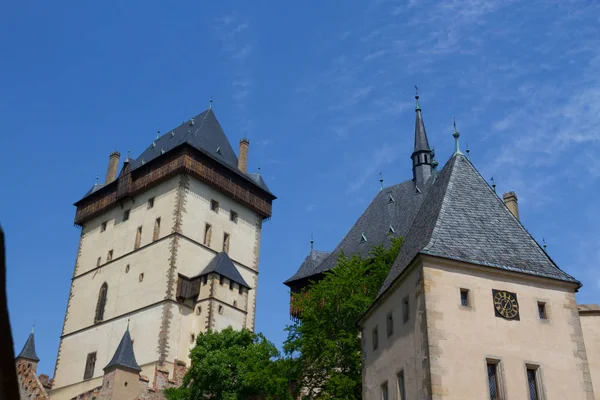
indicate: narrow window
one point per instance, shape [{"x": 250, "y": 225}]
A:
[
  {"x": 233, "y": 216},
  {"x": 532, "y": 383},
  {"x": 220, "y": 309},
  {"x": 230, "y": 285},
  {"x": 226, "y": 242},
  {"x": 207, "y": 234},
  {"x": 390, "y": 324},
  {"x": 198, "y": 310},
  {"x": 127, "y": 268},
  {"x": 375, "y": 339},
  {"x": 542, "y": 310},
  {"x": 150, "y": 202},
  {"x": 241, "y": 290},
  {"x": 214, "y": 206},
  {"x": 138, "y": 238},
  {"x": 101, "y": 304},
  {"x": 156, "y": 229},
  {"x": 401, "y": 389},
  {"x": 90, "y": 363},
  {"x": 405, "y": 309},
  {"x": 109, "y": 255},
  {"x": 98, "y": 261},
  {"x": 492, "y": 371},
  {"x": 141, "y": 278},
  {"x": 384, "y": 391},
  {"x": 235, "y": 303},
  {"x": 221, "y": 280},
  {"x": 103, "y": 227},
  {"x": 126, "y": 215},
  {"x": 464, "y": 297},
  {"x": 204, "y": 280}
]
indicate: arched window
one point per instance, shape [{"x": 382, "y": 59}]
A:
[{"x": 101, "y": 303}]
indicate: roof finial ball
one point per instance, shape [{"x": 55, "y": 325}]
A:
[
  {"x": 312, "y": 242},
  {"x": 210, "y": 105},
  {"x": 381, "y": 180},
  {"x": 456, "y": 135},
  {"x": 417, "y": 107}
]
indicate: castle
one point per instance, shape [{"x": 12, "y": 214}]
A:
[
  {"x": 169, "y": 248},
  {"x": 473, "y": 307}
]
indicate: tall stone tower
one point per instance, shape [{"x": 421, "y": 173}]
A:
[{"x": 170, "y": 244}]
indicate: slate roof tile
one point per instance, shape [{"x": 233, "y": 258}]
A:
[
  {"x": 124, "y": 356},
  {"x": 28, "y": 350}
]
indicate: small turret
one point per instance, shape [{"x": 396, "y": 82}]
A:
[{"x": 421, "y": 156}]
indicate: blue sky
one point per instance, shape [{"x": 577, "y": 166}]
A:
[{"x": 324, "y": 94}]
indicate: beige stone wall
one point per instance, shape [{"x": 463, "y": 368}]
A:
[
  {"x": 590, "y": 323},
  {"x": 404, "y": 350},
  {"x": 462, "y": 338}
]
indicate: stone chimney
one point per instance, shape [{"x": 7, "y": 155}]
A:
[
  {"x": 243, "y": 157},
  {"x": 511, "y": 202},
  {"x": 113, "y": 163}
]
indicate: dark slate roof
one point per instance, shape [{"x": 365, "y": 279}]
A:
[
  {"x": 310, "y": 265},
  {"x": 394, "y": 207},
  {"x": 463, "y": 219},
  {"x": 28, "y": 351},
  {"x": 259, "y": 181},
  {"x": 124, "y": 356},
  {"x": 223, "y": 265},
  {"x": 205, "y": 135},
  {"x": 421, "y": 142},
  {"x": 94, "y": 189}
]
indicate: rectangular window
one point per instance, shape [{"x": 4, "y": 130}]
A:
[
  {"x": 532, "y": 383},
  {"x": 214, "y": 206},
  {"x": 103, "y": 227},
  {"x": 384, "y": 391},
  {"x": 150, "y": 202},
  {"x": 109, "y": 255},
  {"x": 204, "y": 280},
  {"x": 401, "y": 389},
  {"x": 464, "y": 297},
  {"x": 221, "y": 280},
  {"x": 241, "y": 289},
  {"x": 230, "y": 285},
  {"x": 492, "y": 371},
  {"x": 156, "y": 232},
  {"x": 542, "y": 310},
  {"x": 126, "y": 215},
  {"x": 226, "y": 242},
  {"x": 405, "y": 309},
  {"x": 220, "y": 309},
  {"x": 207, "y": 234},
  {"x": 375, "y": 339},
  {"x": 233, "y": 216},
  {"x": 90, "y": 364},
  {"x": 138, "y": 238},
  {"x": 390, "y": 324}
]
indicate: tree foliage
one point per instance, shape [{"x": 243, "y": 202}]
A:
[
  {"x": 233, "y": 365},
  {"x": 325, "y": 341}
]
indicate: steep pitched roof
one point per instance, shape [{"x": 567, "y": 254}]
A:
[
  {"x": 463, "y": 219},
  {"x": 391, "y": 212},
  {"x": 309, "y": 265},
  {"x": 223, "y": 265},
  {"x": 124, "y": 356},
  {"x": 421, "y": 142},
  {"x": 28, "y": 351}
]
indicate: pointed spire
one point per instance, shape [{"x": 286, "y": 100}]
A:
[
  {"x": 124, "y": 356},
  {"x": 381, "y": 181},
  {"x": 28, "y": 351},
  {"x": 421, "y": 155},
  {"x": 456, "y": 135}
]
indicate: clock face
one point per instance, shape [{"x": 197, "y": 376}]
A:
[{"x": 505, "y": 304}]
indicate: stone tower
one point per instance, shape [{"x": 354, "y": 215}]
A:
[{"x": 171, "y": 244}]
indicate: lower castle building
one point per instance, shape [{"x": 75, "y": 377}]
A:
[{"x": 473, "y": 307}]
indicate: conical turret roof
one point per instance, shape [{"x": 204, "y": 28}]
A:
[
  {"x": 124, "y": 356},
  {"x": 28, "y": 351}
]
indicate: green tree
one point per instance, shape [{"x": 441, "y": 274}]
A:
[
  {"x": 325, "y": 341},
  {"x": 233, "y": 365}
]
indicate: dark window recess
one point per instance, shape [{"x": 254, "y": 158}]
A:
[
  {"x": 493, "y": 380},
  {"x": 384, "y": 391},
  {"x": 101, "y": 304},
  {"x": 221, "y": 280},
  {"x": 230, "y": 285},
  {"x": 188, "y": 288},
  {"x": 542, "y": 310},
  {"x": 532, "y": 383},
  {"x": 207, "y": 234},
  {"x": 464, "y": 297},
  {"x": 233, "y": 216},
  {"x": 151, "y": 202},
  {"x": 90, "y": 364},
  {"x": 375, "y": 339},
  {"x": 204, "y": 279},
  {"x": 405, "y": 309},
  {"x": 126, "y": 215},
  {"x": 220, "y": 309},
  {"x": 241, "y": 289},
  {"x": 226, "y": 242},
  {"x": 214, "y": 205},
  {"x": 390, "y": 324},
  {"x": 109, "y": 255},
  {"x": 401, "y": 389},
  {"x": 103, "y": 227}
]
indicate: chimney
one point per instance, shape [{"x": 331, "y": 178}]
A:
[
  {"x": 511, "y": 202},
  {"x": 243, "y": 157},
  {"x": 113, "y": 163}
]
